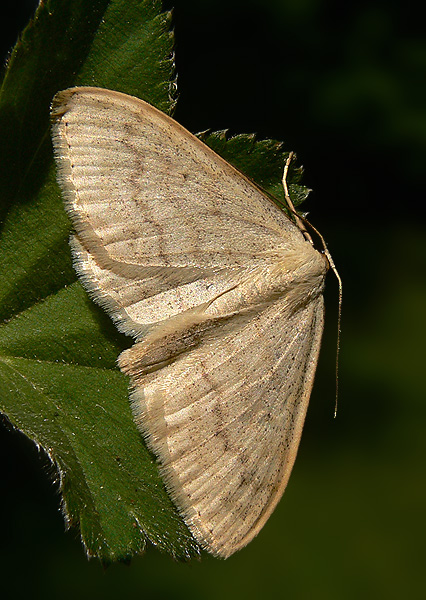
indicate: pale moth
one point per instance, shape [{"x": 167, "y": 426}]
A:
[{"x": 221, "y": 291}]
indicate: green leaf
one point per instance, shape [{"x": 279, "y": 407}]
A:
[
  {"x": 76, "y": 408},
  {"x": 59, "y": 383},
  {"x": 262, "y": 161}
]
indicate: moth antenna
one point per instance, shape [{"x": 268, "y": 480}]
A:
[{"x": 300, "y": 222}]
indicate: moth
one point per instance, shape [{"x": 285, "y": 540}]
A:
[{"x": 222, "y": 292}]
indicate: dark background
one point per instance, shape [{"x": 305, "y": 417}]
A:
[{"x": 344, "y": 84}]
